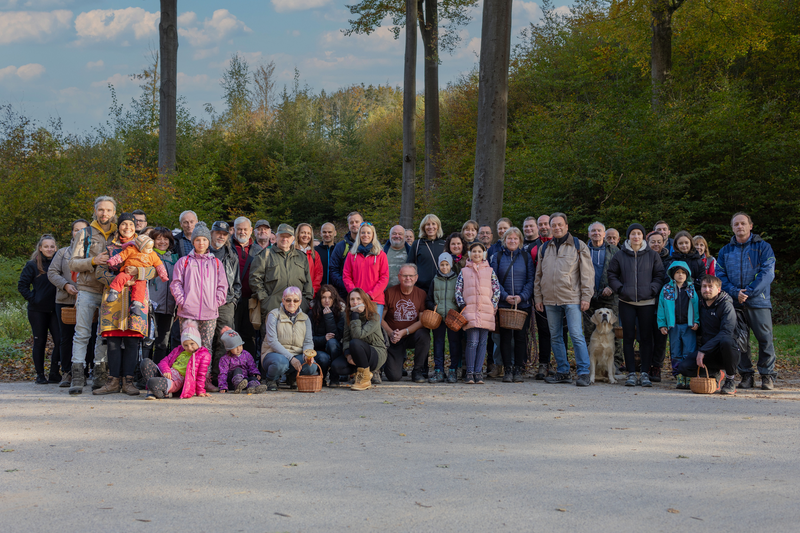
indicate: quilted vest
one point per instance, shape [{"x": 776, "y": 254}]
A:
[
  {"x": 291, "y": 336},
  {"x": 444, "y": 294},
  {"x": 477, "y": 293}
]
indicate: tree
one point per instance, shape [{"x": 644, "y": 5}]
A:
[
  {"x": 168, "y": 94},
  {"x": 409, "y": 119},
  {"x": 236, "y": 82},
  {"x": 264, "y": 92},
  {"x": 490, "y": 151},
  {"x": 661, "y": 45}
]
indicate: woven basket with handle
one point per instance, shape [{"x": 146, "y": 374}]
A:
[
  {"x": 455, "y": 320},
  {"x": 431, "y": 319},
  {"x": 68, "y": 315},
  {"x": 512, "y": 318},
  {"x": 310, "y": 383},
  {"x": 704, "y": 385}
]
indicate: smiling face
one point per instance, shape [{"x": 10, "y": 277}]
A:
[
  {"x": 700, "y": 247},
  {"x": 161, "y": 243},
  {"x": 127, "y": 229},
  {"x": 409, "y": 237},
  {"x": 48, "y": 248},
  {"x": 485, "y": 235},
  {"x": 353, "y": 223},
  {"x": 431, "y": 229},
  {"x": 284, "y": 241},
  {"x": 684, "y": 245},
  {"x": 328, "y": 233},
  {"x": 530, "y": 230},
  {"x": 597, "y": 234},
  {"x": 476, "y": 254},
  {"x": 291, "y": 303},
  {"x": 559, "y": 227},
  {"x": 544, "y": 226},
  {"x": 444, "y": 267},
  {"x": 304, "y": 236},
  {"x": 663, "y": 229},
  {"x": 656, "y": 242},
  {"x": 502, "y": 228},
  {"x": 367, "y": 234},
  {"x": 219, "y": 238},
  {"x": 104, "y": 212},
  {"x": 470, "y": 233},
  {"x": 243, "y": 230},
  {"x": 456, "y": 246},
  {"x": 408, "y": 277},
  {"x": 512, "y": 241}
]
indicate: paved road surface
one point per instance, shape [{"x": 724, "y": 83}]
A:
[{"x": 402, "y": 457}]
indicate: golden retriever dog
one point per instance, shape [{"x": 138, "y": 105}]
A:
[{"x": 601, "y": 345}]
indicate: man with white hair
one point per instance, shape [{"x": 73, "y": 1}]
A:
[
  {"x": 396, "y": 250},
  {"x": 183, "y": 240},
  {"x": 247, "y": 250}
]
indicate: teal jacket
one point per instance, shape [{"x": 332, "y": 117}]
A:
[{"x": 666, "y": 302}]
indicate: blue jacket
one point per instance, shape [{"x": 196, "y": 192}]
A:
[
  {"x": 336, "y": 265},
  {"x": 518, "y": 282},
  {"x": 666, "y": 302},
  {"x": 389, "y": 245},
  {"x": 749, "y": 266}
]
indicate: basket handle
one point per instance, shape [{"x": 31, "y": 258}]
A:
[{"x": 704, "y": 368}]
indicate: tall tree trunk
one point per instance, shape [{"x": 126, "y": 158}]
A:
[
  {"x": 661, "y": 46},
  {"x": 409, "y": 117},
  {"x": 490, "y": 152},
  {"x": 429, "y": 28},
  {"x": 168, "y": 40}
]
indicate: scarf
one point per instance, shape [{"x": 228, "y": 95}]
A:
[{"x": 363, "y": 249}]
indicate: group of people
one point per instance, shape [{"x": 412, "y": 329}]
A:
[{"x": 240, "y": 308}]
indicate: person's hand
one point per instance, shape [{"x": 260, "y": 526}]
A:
[
  {"x": 222, "y": 391},
  {"x": 350, "y": 359},
  {"x": 297, "y": 365},
  {"x": 132, "y": 271},
  {"x": 329, "y": 336},
  {"x": 607, "y": 292},
  {"x": 130, "y": 282},
  {"x": 397, "y": 335},
  {"x": 71, "y": 289},
  {"x": 326, "y": 310},
  {"x": 700, "y": 356},
  {"x": 742, "y": 296},
  {"x": 540, "y": 308},
  {"x": 663, "y": 331},
  {"x": 584, "y": 306},
  {"x": 359, "y": 308},
  {"x": 101, "y": 259},
  {"x": 695, "y": 327}
]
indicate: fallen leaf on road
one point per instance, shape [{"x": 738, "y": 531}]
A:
[
  {"x": 673, "y": 511},
  {"x": 283, "y": 515},
  {"x": 6, "y": 450},
  {"x": 402, "y": 434},
  {"x": 142, "y": 520},
  {"x": 561, "y": 510},
  {"x": 425, "y": 506}
]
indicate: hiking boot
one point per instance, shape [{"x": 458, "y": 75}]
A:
[
  {"x": 272, "y": 386},
  {"x": 747, "y": 382},
  {"x": 210, "y": 387},
  {"x": 469, "y": 378},
  {"x": 644, "y": 380},
  {"x": 542, "y": 372},
  {"x": 54, "y": 378},
  {"x": 416, "y": 377},
  {"x": 655, "y": 374},
  {"x": 112, "y": 386},
  {"x": 100, "y": 373},
  {"x": 128, "y": 387},
  {"x": 438, "y": 377},
  {"x": 631, "y": 381},
  {"x": 258, "y": 389},
  {"x": 478, "y": 377},
  {"x": 78, "y": 379},
  {"x": 452, "y": 377},
  {"x": 518, "y": 374},
  {"x": 558, "y": 377},
  {"x": 494, "y": 371},
  {"x": 583, "y": 380},
  {"x": 508, "y": 374},
  {"x": 242, "y": 385},
  {"x": 363, "y": 377},
  {"x": 376, "y": 378},
  {"x": 767, "y": 382},
  {"x": 720, "y": 379},
  {"x": 729, "y": 387},
  {"x": 65, "y": 380}
]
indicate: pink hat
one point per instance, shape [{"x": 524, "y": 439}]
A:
[{"x": 189, "y": 331}]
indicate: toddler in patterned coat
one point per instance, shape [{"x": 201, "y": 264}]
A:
[
  {"x": 237, "y": 365},
  {"x": 184, "y": 369},
  {"x": 138, "y": 253}
]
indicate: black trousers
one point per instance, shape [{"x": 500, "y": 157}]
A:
[
  {"x": 628, "y": 315},
  {"x": 515, "y": 354},
  {"x": 162, "y": 345},
  {"x": 66, "y": 332},
  {"x": 364, "y": 356},
  {"x": 41, "y": 324},
  {"x": 244, "y": 327},
  {"x": 420, "y": 342},
  {"x": 724, "y": 357},
  {"x": 123, "y": 355}
]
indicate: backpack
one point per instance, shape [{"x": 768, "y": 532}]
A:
[{"x": 544, "y": 246}]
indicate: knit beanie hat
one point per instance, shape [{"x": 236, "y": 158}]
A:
[
  {"x": 142, "y": 241},
  {"x": 123, "y": 217},
  {"x": 201, "y": 230},
  {"x": 446, "y": 257},
  {"x": 230, "y": 339},
  {"x": 634, "y": 226},
  {"x": 189, "y": 331}
]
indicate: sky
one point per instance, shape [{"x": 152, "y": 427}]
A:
[{"x": 57, "y": 57}]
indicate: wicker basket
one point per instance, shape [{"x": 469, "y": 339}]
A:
[
  {"x": 68, "y": 315},
  {"x": 455, "y": 320},
  {"x": 512, "y": 318},
  {"x": 618, "y": 332},
  {"x": 431, "y": 319},
  {"x": 310, "y": 383},
  {"x": 704, "y": 385}
]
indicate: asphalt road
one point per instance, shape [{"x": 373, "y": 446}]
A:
[{"x": 401, "y": 457}]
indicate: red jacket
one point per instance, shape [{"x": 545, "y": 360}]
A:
[
  {"x": 315, "y": 268},
  {"x": 367, "y": 272}
]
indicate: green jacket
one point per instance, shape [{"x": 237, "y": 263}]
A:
[
  {"x": 369, "y": 331},
  {"x": 272, "y": 271},
  {"x": 442, "y": 295}
]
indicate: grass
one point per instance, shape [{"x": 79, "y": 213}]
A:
[{"x": 787, "y": 343}]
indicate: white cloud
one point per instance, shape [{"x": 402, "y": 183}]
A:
[
  {"x": 35, "y": 26},
  {"x": 219, "y": 27},
  {"x": 193, "y": 83},
  {"x": 95, "y": 64},
  {"x": 205, "y": 53},
  {"x": 110, "y": 24},
  {"x": 525, "y": 13},
  {"x": 117, "y": 80},
  {"x": 563, "y": 11},
  {"x": 282, "y": 6},
  {"x": 381, "y": 40},
  {"x": 27, "y": 72}
]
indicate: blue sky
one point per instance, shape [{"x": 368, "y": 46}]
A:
[{"x": 57, "y": 57}]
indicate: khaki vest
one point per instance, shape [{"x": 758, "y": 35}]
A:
[{"x": 291, "y": 335}]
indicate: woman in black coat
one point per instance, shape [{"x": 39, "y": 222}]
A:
[
  {"x": 36, "y": 288},
  {"x": 426, "y": 250},
  {"x": 636, "y": 274},
  {"x": 327, "y": 328}
]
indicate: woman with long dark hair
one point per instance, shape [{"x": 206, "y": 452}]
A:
[
  {"x": 364, "y": 346},
  {"x": 327, "y": 328}
]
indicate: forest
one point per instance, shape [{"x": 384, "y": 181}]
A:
[{"x": 585, "y": 136}]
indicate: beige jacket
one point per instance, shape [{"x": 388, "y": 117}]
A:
[
  {"x": 82, "y": 260},
  {"x": 565, "y": 277},
  {"x": 60, "y": 275}
]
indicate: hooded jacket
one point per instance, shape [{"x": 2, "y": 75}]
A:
[
  {"x": 60, "y": 275},
  {"x": 369, "y": 273},
  {"x": 90, "y": 242},
  {"x": 636, "y": 276},
  {"x": 273, "y": 270},
  {"x": 314, "y": 267},
  {"x": 425, "y": 254},
  {"x": 199, "y": 285},
  {"x": 338, "y": 258},
  {"x": 749, "y": 266},
  {"x": 160, "y": 294},
  {"x": 194, "y": 382},
  {"x": 230, "y": 260},
  {"x": 669, "y": 298},
  {"x": 42, "y": 298},
  {"x": 518, "y": 281},
  {"x": 564, "y": 275},
  {"x": 694, "y": 263},
  {"x": 717, "y": 322}
]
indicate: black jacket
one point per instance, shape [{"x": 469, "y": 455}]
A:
[
  {"x": 336, "y": 264},
  {"x": 425, "y": 254},
  {"x": 328, "y": 324},
  {"x": 667, "y": 260},
  {"x": 230, "y": 260},
  {"x": 636, "y": 276},
  {"x": 695, "y": 263},
  {"x": 42, "y": 298},
  {"x": 325, "y": 254},
  {"x": 717, "y": 322}
]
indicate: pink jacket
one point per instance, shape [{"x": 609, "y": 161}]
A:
[
  {"x": 194, "y": 382},
  {"x": 477, "y": 293},
  {"x": 369, "y": 273},
  {"x": 199, "y": 285}
]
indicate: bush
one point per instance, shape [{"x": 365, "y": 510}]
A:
[
  {"x": 14, "y": 324},
  {"x": 9, "y": 277}
]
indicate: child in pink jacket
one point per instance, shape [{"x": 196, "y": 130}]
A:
[{"x": 184, "y": 369}]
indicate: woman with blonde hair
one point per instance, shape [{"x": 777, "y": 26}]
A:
[
  {"x": 425, "y": 251},
  {"x": 366, "y": 266},
  {"x": 701, "y": 245},
  {"x": 304, "y": 242}
]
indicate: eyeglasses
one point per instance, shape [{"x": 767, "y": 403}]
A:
[
  {"x": 291, "y": 300},
  {"x": 408, "y": 275}
]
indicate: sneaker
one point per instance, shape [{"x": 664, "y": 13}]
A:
[
  {"x": 767, "y": 382},
  {"x": 495, "y": 371},
  {"x": 518, "y": 374},
  {"x": 748, "y": 382},
  {"x": 469, "y": 378},
  {"x": 583, "y": 380},
  {"x": 41, "y": 380},
  {"x": 558, "y": 377},
  {"x": 66, "y": 379},
  {"x": 729, "y": 387},
  {"x": 418, "y": 377},
  {"x": 631, "y": 381},
  {"x": 542, "y": 372},
  {"x": 376, "y": 378},
  {"x": 258, "y": 389},
  {"x": 508, "y": 374},
  {"x": 681, "y": 382},
  {"x": 437, "y": 377},
  {"x": 272, "y": 385},
  {"x": 451, "y": 376},
  {"x": 478, "y": 377},
  {"x": 644, "y": 380}
]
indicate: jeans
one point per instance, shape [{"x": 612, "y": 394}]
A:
[
  {"x": 41, "y": 323},
  {"x": 497, "y": 355},
  {"x": 276, "y": 365},
  {"x": 760, "y": 321},
  {"x": 476, "y": 349},
  {"x": 545, "y": 346},
  {"x": 555, "y": 315},
  {"x": 438, "y": 347},
  {"x": 380, "y": 309},
  {"x": 332, "y": 351},
  {"x": 85, "y": 305},
  {"x": 420, "y": 342},
  {"x": 514, "y": 345},
  {"x": 682, "y": 344},
  {"x": 123, "y": 356},
  {"x": 628, "y": 315}
]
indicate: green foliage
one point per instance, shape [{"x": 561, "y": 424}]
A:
[
  {"x": 10, "y": 270},
  {"x": 14, "y": 324}
]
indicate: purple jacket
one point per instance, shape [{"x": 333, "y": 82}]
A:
[
  {"x": 199, "y": 285},
  {"x": 229, "y": 362}
]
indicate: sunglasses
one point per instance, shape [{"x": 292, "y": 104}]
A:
[
  {"x": 365, "y": 224},
  {"x": 291, "y": 300}
]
